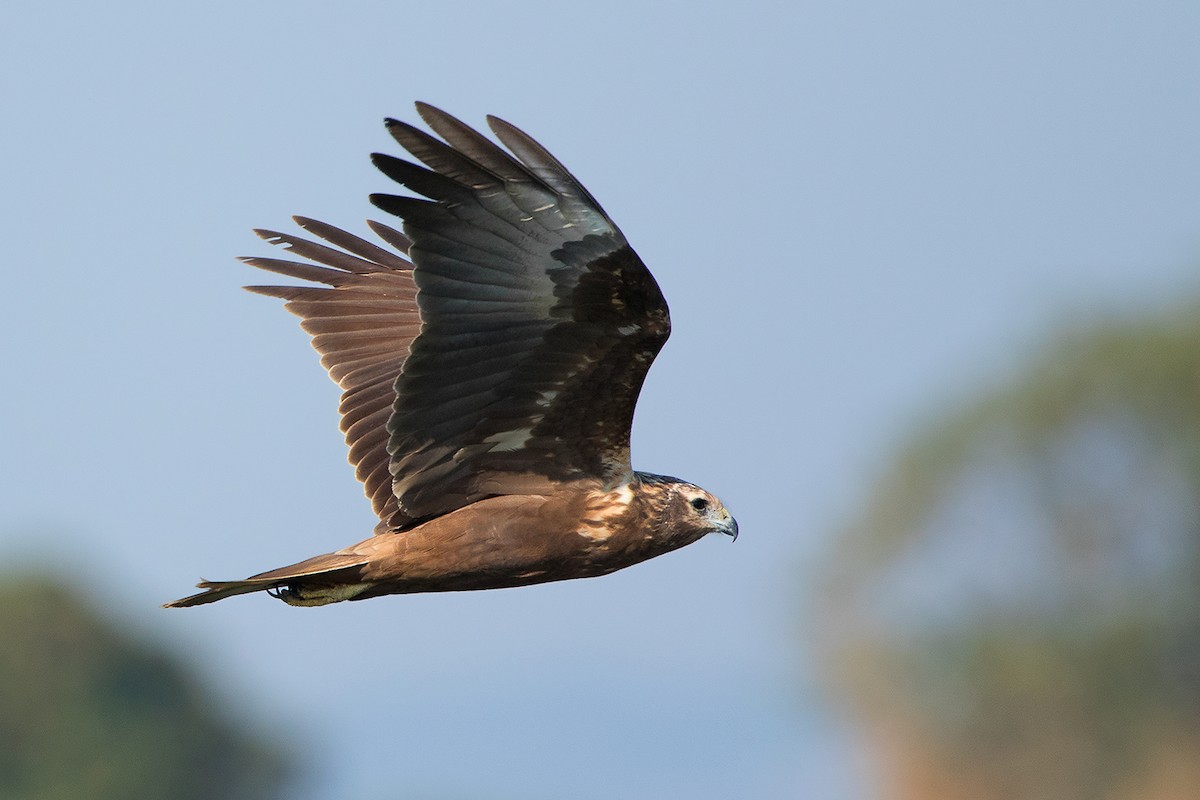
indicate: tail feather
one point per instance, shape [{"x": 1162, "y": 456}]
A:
[{"x": 325, "y": 571}]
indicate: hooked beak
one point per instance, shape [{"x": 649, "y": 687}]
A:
[{"x": 730, "y": 526}]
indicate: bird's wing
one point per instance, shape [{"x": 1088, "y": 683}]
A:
[
  {"x": 362, "y": 322},
  {"x": 538, "y": 324}
]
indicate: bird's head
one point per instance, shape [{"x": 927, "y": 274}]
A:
[{"x": 689, "y": 511}]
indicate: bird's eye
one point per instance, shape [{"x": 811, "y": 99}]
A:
[{"x": 699, "y": 503}]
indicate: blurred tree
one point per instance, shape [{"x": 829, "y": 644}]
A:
[
  {"x": 86, "y": 712},
  {"x": 1016, "y": 613}
]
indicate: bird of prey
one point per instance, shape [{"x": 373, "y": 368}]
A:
[{"x": 490, "y": 361}]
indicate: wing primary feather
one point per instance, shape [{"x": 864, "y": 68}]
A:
[
  {"x": 440, "y": 156},
  {"x": 406, "y": 208},
  {"x": 298, "y": 269},
  {"x": 472, "y": 144},
  {"x": 424, "y": 181},
  {"x": 321, "y": 253},
  {"x": 353, "y": 244},
  {"x": 347, "y": 323},
  {"x": 390, "y": 235},
  {"x": 542, "y": 162}
]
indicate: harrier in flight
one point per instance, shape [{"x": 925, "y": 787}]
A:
[{"x": 490, "y": 362}]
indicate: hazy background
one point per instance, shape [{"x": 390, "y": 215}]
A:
[{"x": 861, "y": 214}]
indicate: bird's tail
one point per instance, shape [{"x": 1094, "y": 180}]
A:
[{"x": 317, "y": 581}]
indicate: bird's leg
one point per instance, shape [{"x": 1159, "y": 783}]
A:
[{"x": 300, "y": 595}]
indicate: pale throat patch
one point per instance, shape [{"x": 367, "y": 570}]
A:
[{"x": 601, "y": 509}]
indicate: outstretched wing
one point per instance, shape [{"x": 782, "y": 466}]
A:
[
  {"x": 363, "y": 326},
  {"x": 538, "y": 324}
]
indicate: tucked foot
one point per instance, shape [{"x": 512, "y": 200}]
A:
[{"x": 301, "y": 595}]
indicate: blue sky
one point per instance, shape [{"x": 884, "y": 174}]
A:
[{"x": 858, "y": 212}]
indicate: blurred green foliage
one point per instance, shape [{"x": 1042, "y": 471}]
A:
[
  {"x": 89, "y": 712},
  {"x": 1016, "y": 612}
]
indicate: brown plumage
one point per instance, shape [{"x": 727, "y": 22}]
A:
[{"x": 488, "y": 381}]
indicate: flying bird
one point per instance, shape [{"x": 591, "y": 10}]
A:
[{"x": 490, "y": 358}]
